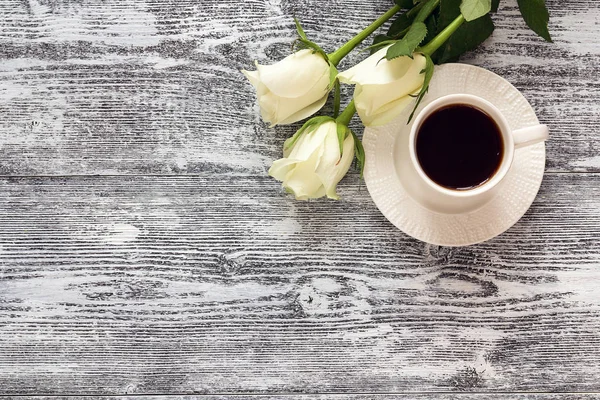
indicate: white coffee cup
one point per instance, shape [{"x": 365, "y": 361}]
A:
[{"x": 443, "y": 200}]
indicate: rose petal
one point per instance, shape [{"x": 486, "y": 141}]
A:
[
  {"x": 384, "y": 114},
  {"x": 377, "y": 96},
  {"x": 377, "y": 70},
  {"x": 295, "y": 75},
  {"x": 306, "y": 111},
  {"x": 303, "y": 180},
  {"x": 282, "y": 110},
  {"x": 282, "y": 167},
  {"x": 252, "y": 76},
  {"x": 308, "y": 143},
  {"x": 331, "y": 149},
  {"x": 269, "y": 104},
  {"x": 362, "y": 71},
  {"x": 318, "y": 194},
  {"x": 332, "y": 169}
]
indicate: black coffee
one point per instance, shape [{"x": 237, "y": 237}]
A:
[{"x": 459, "y": 147}]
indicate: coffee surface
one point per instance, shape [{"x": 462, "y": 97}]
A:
[{"x": 459, "y": 147}]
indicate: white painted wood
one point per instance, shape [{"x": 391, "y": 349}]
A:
[
  {"x": 183, "y": 269},
  {"x": 224, "y": 284},
  {"x": 138, "y": 87},
  {"x": 412, "y": 396}
]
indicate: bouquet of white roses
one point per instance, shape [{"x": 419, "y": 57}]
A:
[{"x": 395, "y": 76}]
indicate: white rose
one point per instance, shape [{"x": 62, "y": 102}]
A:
[
  {"x": 384, "y": 88},
  {"x": 292, "y": 89},
  {"x": 312, "y": 166}
]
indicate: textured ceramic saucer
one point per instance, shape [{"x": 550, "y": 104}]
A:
[{"x": 386, "y": 148}]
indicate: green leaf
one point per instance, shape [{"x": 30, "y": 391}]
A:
[
  {"x": 536, "y": 16},
  {"x": 374, "y": 48},
  {"x": 428, "y": 71},
  {"x": 299, "y": 29},
  {"x": 307, "y": 44},
  {"x": 342, "y": 132},
  {"x": 308, "y": 127},
  {"x": 495, "y": 5},
  {"x": 380, "y": 38},
  {"x": 473, "y": 9},
  {"x": 404, "y": 4},
  {"x": 399, "y": 25},
  {"x": 416, "y": 9},
  {"x": 336, "y": 99},
  {"x": 431, "y": 24},
  {"x": 359, "y": 151},
  {"x": 449, "y": 10},
  {"x": 466, "y": 38},
  {"x": 407, "y": 45}
]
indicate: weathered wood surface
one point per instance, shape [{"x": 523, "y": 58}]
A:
[
  {"x": 138, "y": 87},
  {"x": 222, "y": 284},
  {"x": 412, "y": 396},
  {"x": 207, "y": 279}
]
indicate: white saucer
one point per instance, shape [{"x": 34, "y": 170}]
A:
[{"x": 384, "y": 170}]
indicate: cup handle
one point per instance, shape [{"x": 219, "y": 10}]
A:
[{"x": 530, "y": 135}]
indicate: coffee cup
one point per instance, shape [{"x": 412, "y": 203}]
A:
[{"x": 438, "y": 179}]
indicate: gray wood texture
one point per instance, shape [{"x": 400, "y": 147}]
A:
[
  {"x": 200, "y": 284},
  {"x": 411, "y": 396},
  {"x": 143, "y": 249},
  {"x": 139, "y": 87}
]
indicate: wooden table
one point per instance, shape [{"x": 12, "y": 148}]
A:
[{"x": 144, "y": 250}]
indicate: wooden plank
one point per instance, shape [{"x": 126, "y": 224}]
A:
[
  {"x": 144, "y": 87},
  {"x": 223, "y": 284},
  {"x": 411, "y": 396}
]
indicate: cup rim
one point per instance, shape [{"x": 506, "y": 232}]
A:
[{"x": 499, "y": 119}]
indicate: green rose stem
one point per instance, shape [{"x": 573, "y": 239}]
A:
[
  {"x": 346, "y": 115},
  {"x": 441, "y": 38},
  {"x": 343, "y": 51},
  {"x": 424, "y": 10}
]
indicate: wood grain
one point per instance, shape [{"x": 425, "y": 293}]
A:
[
  {"x": 223, "y": 284},
  {"x": 146, "y": 87},
  {"x": 412, "y": 396},
  {"x": 143, "y": 250}
]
